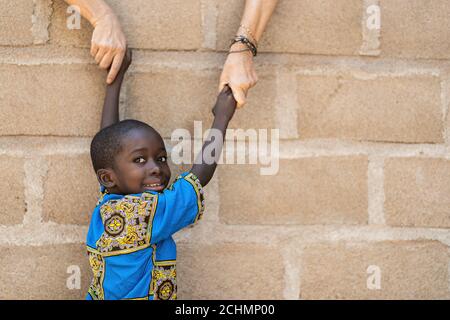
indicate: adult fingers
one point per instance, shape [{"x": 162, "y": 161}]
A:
[
  {"x": 107, "y": 60},
  {"x": 254, "y": 78},
  {"x": 115, "y": 67},
  {"x": 94, "y": 49},
  {"x": 100, "y": 54},
  {"x": 239, "y": 95}
]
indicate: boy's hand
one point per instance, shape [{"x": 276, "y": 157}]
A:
[
  {"x": 125, "y": 65},
  {"x": 225, "y": 104}
]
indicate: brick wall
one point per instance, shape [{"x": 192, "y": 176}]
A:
[{"x": 363, "y": 190}]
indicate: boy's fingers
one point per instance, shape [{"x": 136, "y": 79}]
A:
[
  {"x": 115, "y": 67},
  {"x": 226, "y": 89}
]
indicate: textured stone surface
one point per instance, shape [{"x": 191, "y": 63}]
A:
[
  {"x": 174, "y": 99},
  {"x": 405, "y": 269},
  {"x": 414, "y": 28},
  {"x": 12, "y": 184},
  {"x": 63, "y": 100},
  {"x": 417, "y": 192},
  {"x": 148, "y": 24},
  {"x": 42, "y": 272},
  {"x": 171, "y": 100},
  {"x": 229, "y": 271},
  {"x": 16, "y": 23},
  {"x": 396, "y": 109},
  {"x": 323, "y": 190},
  {"x": 63, "y": 29},
  {"x": 300, "y": 26},
  {"x": 70, "y": 190}
]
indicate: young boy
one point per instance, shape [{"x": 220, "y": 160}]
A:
[{"x": 129, "y": 242}]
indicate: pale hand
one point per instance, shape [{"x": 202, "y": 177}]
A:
[
  {"x": 239, "y": 73},
  {"x": 108, "y": 45}
]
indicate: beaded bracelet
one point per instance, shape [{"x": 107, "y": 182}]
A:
[
  {"x": 247, "y": 42},
  {"x": 250, "y": 33}
]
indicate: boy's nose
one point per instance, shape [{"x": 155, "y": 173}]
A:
[{"x": 154, "y": 168}]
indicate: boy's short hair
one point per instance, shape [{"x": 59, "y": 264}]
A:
[{"x": 106, "y": 144}]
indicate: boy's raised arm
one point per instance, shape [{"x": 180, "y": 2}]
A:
[
  {"x": 110, "y": 114},
  {"x": 206, "y": 162}
]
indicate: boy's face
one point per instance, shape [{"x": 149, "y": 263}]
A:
[{"x": 141, "y": 163}]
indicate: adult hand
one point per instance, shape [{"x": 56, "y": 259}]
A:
[
  {"x": 239, "y": 73},
  {"x": 108, "y": 45}
]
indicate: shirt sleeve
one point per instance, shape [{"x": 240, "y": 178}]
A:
[{"x": 178, "y": 206}]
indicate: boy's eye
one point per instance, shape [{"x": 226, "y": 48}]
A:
[
  {"x": 163, "y": 159},
  {"x": 139, "y": 160}
]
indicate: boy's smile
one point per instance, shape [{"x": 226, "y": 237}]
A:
[
  {"x": 141, "y": 164},
  {"x": 154, "y": 186}
]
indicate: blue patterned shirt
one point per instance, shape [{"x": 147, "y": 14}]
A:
[{"x": 130, "y": 247}]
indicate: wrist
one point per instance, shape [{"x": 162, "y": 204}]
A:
[
  {"x": 117, "y": 82},
  {"x": 240, "y": 48},
  {"x": 244, "y": 41},
  {"x": 222, "y": 119},
  {"x": 106, "y": 14}
]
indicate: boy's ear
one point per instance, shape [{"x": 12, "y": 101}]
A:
[{"x": 106, "y": 178}]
